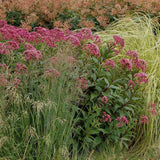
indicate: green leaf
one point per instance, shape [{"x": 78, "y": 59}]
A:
[
  {"x": 97, "y": 141},
  {"x": 106, "y": 81},
  {"x": 93, "y": 95},
  {"x": 115, "y": 87},
  {"x": 93, "y": 131}
]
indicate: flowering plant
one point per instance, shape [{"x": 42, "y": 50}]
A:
[{"x": 110, "y": 110}]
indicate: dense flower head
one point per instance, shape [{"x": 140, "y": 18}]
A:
[
  {"x": 12, "y": 45},
  {"x": 119, "y": 40},
  {"x": 35, "y": 37},
  {"x": 122, "y": 120},
  {"x": 84, "y": 34},
  {"x": 126, "y": 63},
  {"x": 71, "y": 59},
  {"x": 16, "y": 82},
  {"x": 132, "y": 54},
  {"x": 152, "y": 108},
  {"x": 104, "y": 99},
  {"x": 3, "y": 23},
  {"x": 75, "y": 41},
  {"x": 106, "y": 117},
  {"x": 92, "y": 49},
  {"x": 109, "y": 63},
  {"x": 82, "y": 83},
  {"x": 20, "y": 68},
  {"x": 29, "y": 46},
  {"x": 131, "y": 83},
  {"x": 52, "y": 73},
  {"x": 3, "y": 80},
  {"x": 32, "y": 54},
  {"x": 57, "y": 34},
  {"x": 42, "y": 31},
  {"x": 141, "y": 77},
  {"x": 97, "y": 39},
  {"x": 144, "y": 119},
  {"x": 4, "y": 49},
  {"x": 3, "y": 65},
  {"x": 50, "y": 41},
  {"x": 141, "y": 64}
]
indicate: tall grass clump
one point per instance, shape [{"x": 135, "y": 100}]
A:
[
  {"x": 36, "y": 109},
  {"x": 141, "y": 33}
]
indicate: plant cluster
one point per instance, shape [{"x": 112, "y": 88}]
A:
[
  {"x": 65, "y": 91},
  {"x": 70, "y": 14}
]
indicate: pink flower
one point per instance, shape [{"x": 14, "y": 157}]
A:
[
  {"x": 97, "y": 39},
  {"x": 144, "y": 119},
  {"x": 152, "y": 108},
  {"x": 93, "y": 49},
  {"x": 20, "y": 68},
  {"x": 131, "y": 83},
  {"x": 82, "y": 83},
  {"x": 106, "y": 117},
  {"x": 71, "y": 59},
  {"x": 104, "y": 99},
  {"x": 29, "y": 46},
  {"x": 3, "y": 80},
  {"x": 3, "y": 23},
  {"x": 16, "y": 82},
  {"x": 53, "y": 59},
  {"x": 119, "y": 40},
  {"x": 141, "y": 77},
  {"x": 53, "y": 72},
  {"x": 132, "y": 54},
  {"x": 141, "y": 64},
  {"x": 3, "y": 65},
  {"x": 122, "y": 120},
  {"x": 32, "y": 54},
  {"x": 84, "y": 34},
  {"x": 4, "y": 49},
  {"x": 12, "y": 45},
  {"x": 126, "y": 63},
  {"x": 109, "y": 63},
  {"x": 75, "y": 41}
]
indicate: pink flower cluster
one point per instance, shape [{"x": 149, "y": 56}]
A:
[
  {"x": 82, "y": 83},
  {"x": 75, "y": 41},
  {"x": 117, "y": 45},
  {"x": 4, "y": 49},
  {"x": 144, "y": 119},
  {"x": 131, "y": 84},
  {"x": 16, "y": 36},
  {"x": 104, "y": 99},
  {"x": 12, "y": 45},
  {"x": 152, "y": 108},
  {"x": 3, "y": 80},
  {"x": 141, "y": 77},
  {"x": 20, "y": 68},
  {"x": 122, "y": 120},
  {"x": 93, "y": 49},
  {"x": 140, "y": 64},
  {"x": 119, "y": 40},
  {"x": 109, "y": 63},
  {"x": 32, "y": 54},
  {"x": 126, "y": 63},
  {"x": 85, "y": 34},
  {"x": 16, "y": 82},
  {"x": 3, "y": 65},
  {"x": 71, "y": 59},
  {"x": 52, "y": 73},
  {"x": 106, "y": 117}
]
